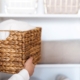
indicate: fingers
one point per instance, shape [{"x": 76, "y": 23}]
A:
[
  {"x": 30, "y": 60},
  {"x": 29, "y": 66}
]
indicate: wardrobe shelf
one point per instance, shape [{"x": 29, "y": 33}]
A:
[
  {"x": 58, "y": 65},
  {"x": 40, "y": 15}
]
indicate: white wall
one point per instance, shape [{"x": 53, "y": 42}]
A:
[{"x": 56, "y": 28}]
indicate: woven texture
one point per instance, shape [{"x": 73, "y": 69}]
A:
[
  {"x": 17, "y": 48},
  {"x": 61, "y": 6}
]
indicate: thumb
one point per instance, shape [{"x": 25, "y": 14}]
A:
[{"x": 30, "y": 60}]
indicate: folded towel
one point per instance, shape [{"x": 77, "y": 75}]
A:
[
  {"x": 21, "y": 6},
  {"x": 13, "y": 25}
]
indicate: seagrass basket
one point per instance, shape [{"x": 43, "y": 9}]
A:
[{"x": 17, "y": 48}]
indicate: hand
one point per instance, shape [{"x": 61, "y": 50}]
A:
[{"x": 29, "y": 66}]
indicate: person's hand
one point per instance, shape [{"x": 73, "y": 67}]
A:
[{"x": 29, "y": 66}]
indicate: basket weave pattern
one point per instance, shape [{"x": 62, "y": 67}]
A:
[
  {"x": 61, "y": 6},
  {"x": 17, "y": 48}
]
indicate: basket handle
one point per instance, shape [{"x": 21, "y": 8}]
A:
[{"x": 4, "y": 35}]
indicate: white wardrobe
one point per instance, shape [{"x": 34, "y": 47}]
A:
[{"x": 55, "y": 27}]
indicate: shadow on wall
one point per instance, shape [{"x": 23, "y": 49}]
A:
[{"x": 60, "y": 52}]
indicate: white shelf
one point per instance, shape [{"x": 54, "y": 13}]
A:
[
  {"x": 41, "y": 15},
  {"x": 57, "y": 65},
  {"x": 50, "y": 71}
]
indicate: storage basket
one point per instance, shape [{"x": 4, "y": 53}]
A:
[
  {"x": 17, "y": 48},
  {"x": 61, "y": 6},
  {"x": 21, "y": 6}
]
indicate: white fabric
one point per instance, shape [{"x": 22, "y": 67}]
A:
[
  {"x": 20, "y": 6},
  {"x": 22, "y": 75},
  {"x": 13, "y": 25},
  {"x": 20, "y": 10}
]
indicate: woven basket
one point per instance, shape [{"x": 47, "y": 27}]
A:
[
  {"x": 61, "y": 6},
  {"x": 17, "y": 48}
]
